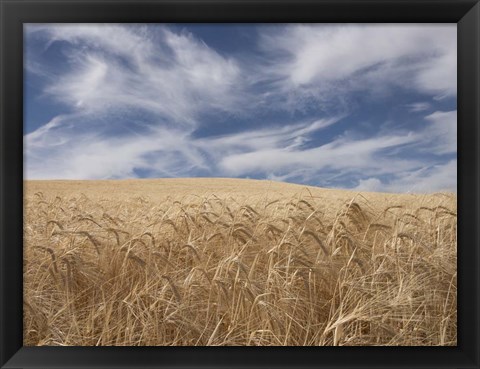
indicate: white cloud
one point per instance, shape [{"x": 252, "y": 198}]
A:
[
  {"x": 89, "y": 87},
  {"x": 370, "y": 184},
  {"x": 163, "y": 152},
  {"x": 117, "y": 67},
  {"x": 418, "y": 107},
  {"x": 276, "y": 136},
  {"x": 129, "y": 42},
  {"x": 439, "y": 75},
  {"x": 441, "y": 132},
  {"x": 435, "y": 178},
  {"x": 441, "y": 177},
  {"x": 340, "y": 154},
  {"x": 321, "y": 59},
  {"x": 202, "y": 66}
]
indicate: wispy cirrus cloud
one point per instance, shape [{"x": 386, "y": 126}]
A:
[
  {"x": 330, "y": 62},
  {"x": 115, "y": 67},
  {"x": 418, "y": 106},
  {"x": 439, "y": 177}
]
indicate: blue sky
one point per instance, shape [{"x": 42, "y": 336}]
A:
[{"x": 365, "y": 107}]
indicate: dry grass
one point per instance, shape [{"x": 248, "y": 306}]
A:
[{"x": 231, "y": 262}]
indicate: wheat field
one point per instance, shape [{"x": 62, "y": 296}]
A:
[{"x": 236, "y": 262}]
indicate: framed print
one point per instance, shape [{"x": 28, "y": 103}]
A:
[{"x": 227, "y": 184}]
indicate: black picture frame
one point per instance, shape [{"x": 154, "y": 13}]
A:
[{"x": 14, "y": 13}]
